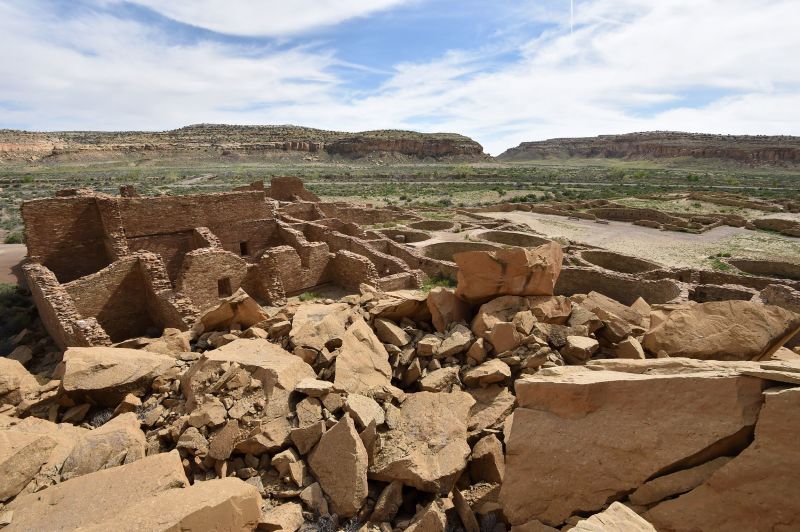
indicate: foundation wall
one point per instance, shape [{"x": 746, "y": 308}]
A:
[
  {"x": 205, "y": 271},
  {"x": 350, "y": 270},
  {"x": 624, "y": 288}
]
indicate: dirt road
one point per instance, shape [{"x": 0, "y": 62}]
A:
[{"x": 11, "y": 257}]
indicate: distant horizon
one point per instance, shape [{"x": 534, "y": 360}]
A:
[{"x": 501, "y": 73}]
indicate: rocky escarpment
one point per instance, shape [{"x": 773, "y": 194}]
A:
[
  {"x": 755, "y": 150},
  {"x": 213, "y": 140}
]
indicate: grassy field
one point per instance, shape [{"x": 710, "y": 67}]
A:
[{"x": 413, "y": 185}]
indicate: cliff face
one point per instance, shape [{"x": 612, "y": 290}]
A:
[
  {"x": 753, "y": 150},
  {"x": 212, "y": 141}
]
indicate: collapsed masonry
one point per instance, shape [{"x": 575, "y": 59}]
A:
[{"x": 107, "y": 268}]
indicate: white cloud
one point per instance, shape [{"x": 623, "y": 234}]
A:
[
  {"x": 265, "y": 17},
  {"x": 726, "y": 66}
]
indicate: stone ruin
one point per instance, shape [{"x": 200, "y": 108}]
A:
[{"x": 527, "y": 399}]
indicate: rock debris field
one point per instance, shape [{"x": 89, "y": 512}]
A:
[{"x": 490, "y": 407}]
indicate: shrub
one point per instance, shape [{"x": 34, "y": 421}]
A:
[
  {"x": 438, "y": 280},
  {"x": 307, "y": 296},
  {"x": 14, "y": 237}
]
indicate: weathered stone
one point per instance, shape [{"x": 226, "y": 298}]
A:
[
  {"x": 339, "y": 461},
  {"x": 504, "y": 336},
  {"x": 314, "y": 387},
  {"x": 287, "y": 517},
  {"x": 364, "y": 410},
  {"x": 223, "y": 441},
  {"x": 492, "y": 405},
  {"x": 494, "y": 370},
  {"x": 660, "y": 488},
  {"x": 598, "y": 424},
  {"x": 458, "y": 340},
  {"x": 723, "y": 330},
  {"x": 306, "y": 438},
  {"x": 428, "y": 345},
  {"x": 446, "y": 308},
  {"x": 22, "y": 455},
  {"x": 238, "y": 309},
  {"x": 388, "y": 503},
  {"x": 193, "y": 441},
  {"x": 308, "y": 412},
  {"x": 16, "y": 384},
  {"x": 425, "y": 446},
  {"x": 118, "y": 442},
  {"x": 316, "y": 325},
  {"x": 579, "y": 349},
  {"x": 363, "y": 363},
  {"x": 477, "y": 351},
  {"x": 630, "y": 348},
  {"x": 487, "y": 463},
  {"x": 465, "y": 512},
  {"x": 513, "y": 271},
  {"x": 395, "y": 306},
  {"x": 440, "y": 380},
  {"x": 430, "y": 519},
  {"x": 544, "y": 309},
  {"x": 755, "y": 490},
  {"x": 288, "y": 464},
  {"x": 313, "y": 497},
  {"x": 388, "y": 332},
  {"x": 615, "y": 518},
  {"x": 105, "y": 375},
  {"x": 266, "y": 437}
]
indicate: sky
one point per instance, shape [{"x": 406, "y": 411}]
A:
[{"x": 499, "y": 71}]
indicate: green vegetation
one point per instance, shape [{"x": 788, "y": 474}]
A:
[
  {"x": 433, "y": 282},
  {"x": 307, "y": 296},
  {"x": 14, "y": 237},
  {"x": 16, "y": 313}
]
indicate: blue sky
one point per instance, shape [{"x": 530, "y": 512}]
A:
[{"x": 501, "y": 72}]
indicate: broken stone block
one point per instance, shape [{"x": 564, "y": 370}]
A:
[
  {"x": 314, "y": 387},
  {"x": 440, "y": 380},
  {"x": 458, "y": 340},
  {"x": 428, "y": 345},
  {"x": 364, "y": 410},
  {"x": 223, "y": 441},
  {"x": 662, "y": 487},
  {"x": 388, "y": 503},
  {"x": 404, "y": 452},
  {"x": 304, "y": 439},
  {"x": 266, "y": 437},
  {"x": 579, "y": 349},
  {"x": 105, "y": 375},
  {"x": 193, "y": 441},
  {"x": 289, "y": 464},
  {"x": 630, "y": 348},
  {"x": 239, "y": 309},
  {"x": 339, "y": 462},
  {"x": 308, "y": 411},
  {"x": 118, "y": 442},
  {"x": 723, "y": 330},
  {"x": 598, "y": 424},
  {"x": 313, "y": 497},
  {"x": 446, "y": 308},
  {"x": 16, "y": 384},
  {"x": 287, "y": 517},
  {"x": 430, "y": 519},
  {"x": 489, "y": 372},
  {"x": 504, "y": 336},
  {"x": 615, "y": 518},
  {"x": 390, "y": 333},
  {"x": 492, "y": 405},
  {"x": 483, "y": 275},
  {"x": 363, "y": 363},
  {"x": 316, "y": 325},
  {"x": 477, "y": 351},
  {"x": 487, "y": 463}
]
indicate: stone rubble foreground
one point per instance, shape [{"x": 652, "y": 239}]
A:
[{"x": 506, "y": 409}]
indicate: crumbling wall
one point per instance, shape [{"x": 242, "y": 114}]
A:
[
  {"x": 66, "y": 235},
  {"x": 768, "y": 268},
  {"x": 248, "y": 238},
  {"x": 287, "y": 188},
  {"x": 433, "y": 268},
  {"x": 350, "y": 270},
  {"x": 301, "y": 211},
  {"x": 209, "y": 275},
  {"x": 171, "y": 246},
  {"x": 622, "y": 287},
  {"x": 446, "y": 250},
  {"x": 167, "y": 307},
  {"x": 513, "y": 238},
  {"x": 618, "y": 262}
]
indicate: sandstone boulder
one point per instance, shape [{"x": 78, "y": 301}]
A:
[
  {"x": 16, "y": 384},
  {"x": 389, "y": 333},
  {"x": 581, "y": 437},
  {"x": 490, "y": 372},
  {"x": 483, "y": 275},
  {"x": 239, "y": 309},
  {"x": 723, "y": 330},
  {"x": 317, "y": 326},
  {"x": 753, "y": 491},
  {"x": 105, "y": 375},
  {"x": 425, "y": 446},
  {"x": 339, "y": 461},
  {"x": 492, "y": 405},
  {"x": 440, "y": 380},
  {"x": 543, "y": 309},
  {"x": 118, "y": 442},
  {"x": 579, "y": 349},
  {"x": 615, "y": 518},
  {"x": 362, "y": 365},
  {"x": 395, "y": 306},
  {"x": 287, "y": 517},
  {"x": 629, "y": 348},
  {"x": 446, "y": 308},
  {"x": 457, "y": 340}
]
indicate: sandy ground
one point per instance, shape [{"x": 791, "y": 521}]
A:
[
  {"x": 669, "y": 248},
  {"x": 11, "y": 257}
]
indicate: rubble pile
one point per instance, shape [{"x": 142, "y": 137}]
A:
[{"x": 496, "y": 406}]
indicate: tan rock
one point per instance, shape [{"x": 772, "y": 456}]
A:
[
  {"x": 22, "y": 354},
  {"x": 755, "y": 490},
  {"x": 287, "y": 517},
  {"x": 117, "y": 442},
  {"x": 223, "y": 441},
  {"x": 239, "y": 309},
  {"x": 615, "y": 518},
  {"x": 364, "y": 410},
  {"x": 314, "y": 387},
  {"x": 477, "y": 351},
  {"x": 458, "y": 340},
  {"x": 465, "y": 512},
  {"x": 487, "y": 463},
  {"x": 105, "y": 375},
  {"x": 16, "y": 384},
  {"x": 579, "y": 349},
  {"x": 389, "y": 333},
  {"x": 430, "y": 519},
  {"x": 483, "y": 275},
  {"x": 533, "y": 526},
  {"x": 544, "y": 309},
  {"x": 395, "y": 306},
  {"x": 440, "y": 380},
  {"x": 489, "y": 372},
  {"x": 313, "y": 497},
  {"x": 22, "y": 455},
  {"x": 492, "y": 405},
  {"x": 193, "y": 441},
  {"x": 630, "y": 348},
  {"x": 607, "y": 442},
  {"x": 446, "y": 308},
  {"x": 428, "y": 345},
  {"x": 304, "y": 439},
  {"x": 289, "y": 464},
  {"x": 308, "y": 412},
  {"x": 388, "y": 503},
  {"x": 723, "y": 330},
  {"x": 660, "y": 488},
  {"x": 339, "y": 461},
  {"x": 405, "y": 452},
  {"x": 266, "y": 437},
  {"x": 363, "y": 363},
  {"x": 316, "y": 325},
  {"x": 98, "y": 497},
  {"x": 504, "y": 336}
]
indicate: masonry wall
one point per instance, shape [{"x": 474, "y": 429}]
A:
[
  {"x": 66, "y": 235},
  {"x": 202, "y": 271},
  {"x": 172, "y": 247}
]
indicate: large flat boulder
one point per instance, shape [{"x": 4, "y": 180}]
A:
[
  {"x": 483, "y": 275},
  {"x": 582, "y": 437},
  {"x": 105, "y": 375},
  {"x": 316, "y": 325},
  {"x": 362, "y": 365},
  {"x": 756, "y": 490},
  {"x": 447, "y": 308},
  {"x": 723, "y": 330},
  {"x": 426, "y": 444}
]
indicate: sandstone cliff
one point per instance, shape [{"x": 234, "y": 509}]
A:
[
  {"x": 754, "y": 150},
  {"x": 229, "y": 141}
]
